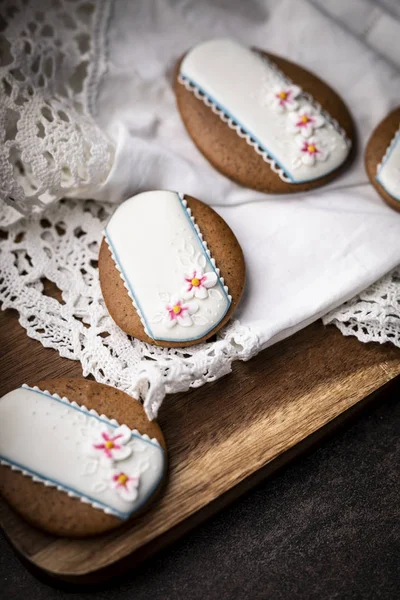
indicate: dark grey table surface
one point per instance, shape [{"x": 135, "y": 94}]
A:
[{"x": 327, "y": 526}]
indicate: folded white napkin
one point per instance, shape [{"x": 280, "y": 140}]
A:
[{"x": 306, "y": 253}]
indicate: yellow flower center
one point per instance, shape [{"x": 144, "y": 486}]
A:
[
  {"x": 283, "y": 95},
  {"x": 311, "y": 148},
  {"x": 195, "y": 282},
  {"x": 122, "y": 479},
  {"x": 177, "y": 309},
  {"x": 109, "y": 444},
  {"x": 304, "y": 119}
]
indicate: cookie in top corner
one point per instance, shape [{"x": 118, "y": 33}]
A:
[
  {"x": 262, "y": 121},
  {"x": 382, "y": 159}
]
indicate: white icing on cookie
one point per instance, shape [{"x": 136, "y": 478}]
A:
[
  {"x": 90, "y": 457},
  {"x": 253, "y": 97},
  {"x": 388, "y": 172},
  {"x": 167, "y": 269}
]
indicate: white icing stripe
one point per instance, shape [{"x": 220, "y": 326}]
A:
[
  {"x": 241, "y": 87},
  {"x": 52, "y": 440},
  {"x": 316, "y": 105},
  {"x": 39, "y": 479},
  {"x": 166, "y": 266},
  {"x": 388, "y": 171},
  {"x": 233, "y": 125}
]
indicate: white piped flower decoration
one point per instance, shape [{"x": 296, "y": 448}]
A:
[
  {"x": 311, "y": 150},
  {"x": 305, "y": 121},
  {"x": 179, "y": 313},
  {"x": 125, "y": 485},
  {"x": 283, "y": 97},
  {"x": 110, "y": 446},
  {"x": 198, "y": 282}
]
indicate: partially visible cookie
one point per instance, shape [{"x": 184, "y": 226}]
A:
[
  {"x": 77, "y": 457},
  {"x": 261, "y": 120},
  {"x": 171, "y": 270},
  {"x": 382, "y": 159}
]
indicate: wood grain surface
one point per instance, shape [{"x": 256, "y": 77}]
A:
[{"x": 222, "y": 438}]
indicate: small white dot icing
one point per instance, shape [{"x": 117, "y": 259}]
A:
[
  {"x": 388, "y": 174},
  {"x": 167, "y": 269},
  {"x": 289, "y": 130},
  {"x": 87, "y": 456}
]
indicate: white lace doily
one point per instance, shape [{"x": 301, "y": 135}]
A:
[
  {"x": 50, "y": 62},
  {"x": 63, "y": 247},
  {"x": 373, "y": 315}
]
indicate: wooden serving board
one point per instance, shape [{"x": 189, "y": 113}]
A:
[{"x": 222, "y": 438}]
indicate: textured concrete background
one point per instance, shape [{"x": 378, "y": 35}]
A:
[{"x": 325, "y": 527}]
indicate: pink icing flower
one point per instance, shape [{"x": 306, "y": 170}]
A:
[
  {"x": 305, "y": 121},
  {"x": 197, "y": 283},
  {"x": 125, "y": 485},
  {"x": 311, "y": 150},
  {"x": 111, "y": 446},
  {"x": 178, "y": 313},
  {"x": 284, "y": 97}
]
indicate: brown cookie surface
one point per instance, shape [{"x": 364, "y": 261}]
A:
[
  {"x": 230, "y": 153},
  {"x": 377, "y": 147},
  {"x": 62, "y": 426},
  {"x": 224, "y": 249}
]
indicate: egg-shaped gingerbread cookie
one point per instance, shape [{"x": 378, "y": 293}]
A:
[
  {"x": 78, "y": 458},
  {"x": 171, "y": 270},
  {"x": 382, "y": 159},
  {"x": 262, "y": 121}
]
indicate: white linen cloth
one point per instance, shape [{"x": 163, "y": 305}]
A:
[{"x": 306, "y": 253}]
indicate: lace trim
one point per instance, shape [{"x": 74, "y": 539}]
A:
[
  {"x": 177, "y": 372},
  {"x": 374, "y": 314},
  {"x": 52, "y": 59}
]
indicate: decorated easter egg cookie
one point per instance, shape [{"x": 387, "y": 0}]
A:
[
  {"x": 77, "y": 457},
  {"x": 171, "y": 270},
  {"x": 263, "y": 121},
  {"x": 382, "y": 159}
]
